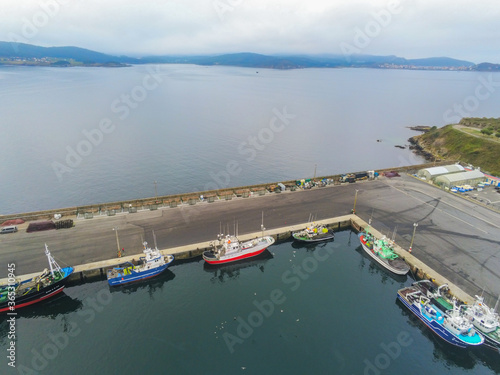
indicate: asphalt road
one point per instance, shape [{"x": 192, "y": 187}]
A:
[{"x": 455, "y": 237}]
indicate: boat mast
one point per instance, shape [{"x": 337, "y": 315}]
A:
[
  {"x": 52, "y": 263},
  {"x": 394, "y": 233},
  {"x": 262, "y": 224},
  {"x": 154, "y": 238}
]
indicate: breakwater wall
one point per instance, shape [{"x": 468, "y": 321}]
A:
[
  {"x": 153, "y": 203},
  {"x": 97, "y": 270}
]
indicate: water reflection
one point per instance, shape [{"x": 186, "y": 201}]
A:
[
  {"x": 51, "y": 308},
  {"x": 449, "y": 354},
  {"x": 150, "y": 285},
  {"x": 310, "y": 246},
  {"x": 222, "y": 273}
]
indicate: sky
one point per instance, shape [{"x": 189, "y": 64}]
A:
[{"x": 462, "y": 29}]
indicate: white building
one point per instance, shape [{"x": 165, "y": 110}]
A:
[
  {"x": 432, "y": 173},
  {"x": 461, "y": 178}
]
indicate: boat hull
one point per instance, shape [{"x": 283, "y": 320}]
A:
[
  {"x": 493, "y": 337},
  {"x": 40, "y": 295},
  {"x": 241, "y": 256},
  {"x": 137, "y": 276},
  {"x": 436, "y": 327},
  {"x": 320, "y": 237},
  {"x": 381, "y": 261}
]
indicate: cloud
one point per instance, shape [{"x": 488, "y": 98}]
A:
[{"x": 423, "y": 28}]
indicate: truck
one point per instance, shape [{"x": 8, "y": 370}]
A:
[{"x": 353, "y": 177}]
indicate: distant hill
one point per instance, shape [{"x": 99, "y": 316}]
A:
[
  {"x": 11, "y": 51},
  {"x": 440, "y": 62},
  {"x": 487, "y": 67},
  {"x": 255, "y": 60},
  {"x": 29, "y": 51}
]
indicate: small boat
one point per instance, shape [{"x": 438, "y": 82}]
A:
[
  {"x": 150, "y": 265},
  {"x": 229, "y": 249},
  {"x": 36, "y": 289},
  {"x": 485, "y": 319},
  {"x": 383, "y": 252},
  {"x": 452, "y": 326},
  {"x": 314, "y": 233}
]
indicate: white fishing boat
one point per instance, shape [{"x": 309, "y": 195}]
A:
[
  {"x": 382, "y": 251},
  {"x": 485, "y": 319},
  {"x": 229, "y": 249}
]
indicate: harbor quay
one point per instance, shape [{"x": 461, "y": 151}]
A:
[{"x": 455, "y": 241}]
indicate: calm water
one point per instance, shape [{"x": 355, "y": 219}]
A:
[
  {"x": 334, "y": 312},
  {"x": 89, "y": 135}
]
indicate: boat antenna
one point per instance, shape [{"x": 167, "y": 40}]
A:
[
  {"x": 220, "y": 227},
  {"x": 154, "y": 238},
  {"x": 496, "y": 304},
  {"x": 394, "y": 233},
  {"x": 262, "y": 224}
]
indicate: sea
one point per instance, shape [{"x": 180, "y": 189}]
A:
[
  {"x": 320, "y": 309},
  {"x": 75, "y": 136},
  {"x": 83, "y": 135}
]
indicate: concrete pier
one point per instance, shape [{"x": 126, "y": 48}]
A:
[{"x": 456, "y": 241}]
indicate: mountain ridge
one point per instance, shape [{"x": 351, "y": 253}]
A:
[{"x": 20, "y": 53}]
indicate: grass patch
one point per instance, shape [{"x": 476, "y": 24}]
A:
[{"x": 453, "y": 144}]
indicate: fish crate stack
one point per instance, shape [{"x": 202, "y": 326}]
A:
[
  {"x": 244, "y": 193},
  {"x": 62, "y": 224},
  {"x": 259, "y": 190},
  {"x": 227, "y": 195}
]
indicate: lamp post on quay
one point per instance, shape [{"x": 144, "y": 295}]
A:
[{"x": 415, "y": 225}]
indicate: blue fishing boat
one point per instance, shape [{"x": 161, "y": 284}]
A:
[
  {"x": 452, "y": 326},
  {"x": 150, "y": 265}
]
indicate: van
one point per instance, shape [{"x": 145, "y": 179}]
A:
[{"x": 9, "y": 229}]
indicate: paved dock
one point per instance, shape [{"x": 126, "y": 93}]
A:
[{"x": 455, "y": 237}]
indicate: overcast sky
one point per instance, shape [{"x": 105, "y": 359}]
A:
[{"x": 463, "y": 29}]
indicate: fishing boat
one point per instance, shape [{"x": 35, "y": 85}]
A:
[
  {"x": 382, "y": 250},
  {"x": 314, "y": 233},
  {"x": 228, "y": 249},
  {"x": 439, "y": 294},
  {"x": 23, "y": 293},
  {"x": 452, "y": 326},
  {"x": 151, "y": 264},
  {"x": 485, "y": 319}
]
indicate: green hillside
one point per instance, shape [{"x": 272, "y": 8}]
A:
[{"x": 452, "y": 144}]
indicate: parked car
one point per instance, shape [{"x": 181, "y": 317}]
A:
[{"x": 9, "y": 229}]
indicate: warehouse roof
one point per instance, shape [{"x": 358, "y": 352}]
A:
[
  {"x": 434, "y": 171},
  {"x": 462, "y": 176}
]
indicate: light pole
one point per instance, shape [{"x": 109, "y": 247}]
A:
[
  {"x": 355, "y": 199},
  {"x": 117, "y": 242},
  {"x": 156, "y": 192},
  {"x": 415, "y": 225}
]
